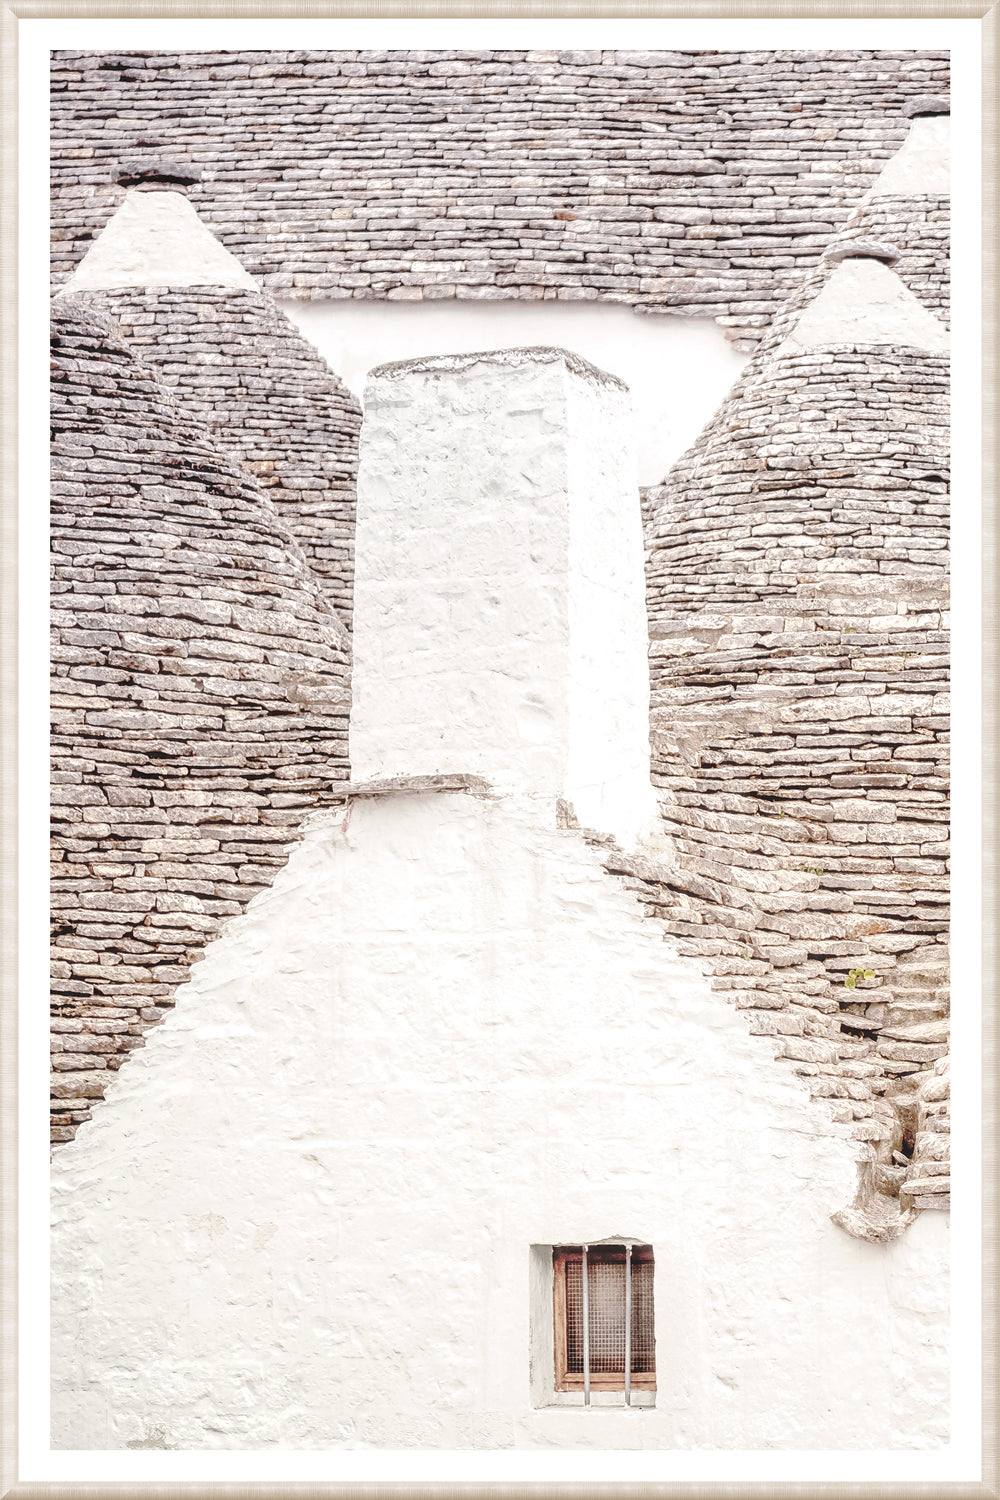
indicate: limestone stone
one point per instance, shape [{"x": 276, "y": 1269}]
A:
[
  {"x": 796, "y": 556},
  {"x": 742, "y": 186},
  {"x": 198, "y": 540}
]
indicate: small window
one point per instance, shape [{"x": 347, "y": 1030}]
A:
[{"x": 603, "y": 1318}]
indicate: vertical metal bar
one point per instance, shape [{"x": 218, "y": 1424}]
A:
[
  {"x": 586, "y": 1331},
  {"x": 628, "y": 1325}
]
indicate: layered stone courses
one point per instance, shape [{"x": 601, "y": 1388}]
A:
[
  {"x": 235, "y": 363},
  {"x": 918, "y": 229},
  {"x": 798, "y": 595},
  {"x": 200, "y": 699},
  {"x": 683, "y": 182},
  {"x": 797, "y": 568}
]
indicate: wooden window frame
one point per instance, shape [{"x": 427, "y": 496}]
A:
[{"x": 565, "y": 1380}]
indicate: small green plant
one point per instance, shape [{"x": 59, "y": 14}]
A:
[
  {"x": 812, "y": 869},
  {"x": 851, "y": 981}
]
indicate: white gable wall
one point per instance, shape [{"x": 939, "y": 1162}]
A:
[
  {"x": 156, "y": 239},
  {"x": 303, "y": 1216},
  {"x": 922, "y": 165},
  {"x": 866, "y": 303}
]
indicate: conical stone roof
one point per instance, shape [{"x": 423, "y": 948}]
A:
[
  {"x": 237, "y": 366},
  {"x": 200, "y": 698},
  {"x": 798, "y": 584},
  {"x": 904, "y": 217},
  {"x": 235, "y": 363}
]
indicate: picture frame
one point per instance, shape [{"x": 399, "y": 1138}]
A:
[{"x": 154, "y": 1474}]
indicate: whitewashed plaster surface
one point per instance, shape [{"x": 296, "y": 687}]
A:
[
  {"x": 922, "y": 164},
  {"x": 679, "y": 370},
  {"x": 303, "y": 1215},
  {"x": 156, "y": 239},
  {"x": 499, "y": 597},
  {"x": 864, "y": 302}
]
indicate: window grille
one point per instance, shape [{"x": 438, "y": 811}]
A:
[{"x": 603, "y": 1304}]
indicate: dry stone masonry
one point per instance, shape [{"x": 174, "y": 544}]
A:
[
  {"x": 797, "y": 582},
  {"x": 903, "y": 222},
  {"x": 235, "y": 363},
  {"x": 675, "y": 182},
  {"x": 200, "y": 699},
  {"x": 798, "y": 592}
]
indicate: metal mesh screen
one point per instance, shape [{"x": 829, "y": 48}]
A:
[
  {"x": 643, "y": 1357},
  {"x": 606, "y": 1287}
]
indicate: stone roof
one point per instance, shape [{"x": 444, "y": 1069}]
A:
[
  {"x": 797, "y": 553},
  {"x": 237, "y": 365},
  {"x": 683, "y": 182},
  {"x": 908, "y": 212},
  {"x": 798, "y": 590},
  {"x": 200, "y": 698}
]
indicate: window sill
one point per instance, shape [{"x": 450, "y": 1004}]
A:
[{"x": 599, "y": 1401}]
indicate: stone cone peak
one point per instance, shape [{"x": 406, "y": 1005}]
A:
[
  {"x": 865, "y": 303},
  {"x": 921, "y": 166},
  {"x": 157, "y": 239}
]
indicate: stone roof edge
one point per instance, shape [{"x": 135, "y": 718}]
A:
[
  {"x": 395, "y": 786},
  {"x": 775, "y": 347},
  {"x": 434, "y": 364}
]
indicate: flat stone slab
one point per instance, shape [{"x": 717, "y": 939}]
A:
[
  {"x": 873, "y": 249},
  {"x": 926, "y": 104},
  {"x": 530, "y": 354},
  {"x": 156, "y": 169},
  {"x": 394, "y": 786}
]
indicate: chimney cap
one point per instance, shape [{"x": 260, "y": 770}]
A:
[
  {"x": 153, "y": 169},
  {"x": 926, "y": 104},
  {"x": 861, "y": 249},
  {"x": 521, "y": 355}
]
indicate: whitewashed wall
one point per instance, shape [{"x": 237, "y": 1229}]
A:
[
  {"x": 499, "y": 595},
  {"x": 303, "y": 1215},
  {"x": 678, "y": 369}
]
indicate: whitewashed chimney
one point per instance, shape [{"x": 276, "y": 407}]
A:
[{"x": 499, "y": 620}]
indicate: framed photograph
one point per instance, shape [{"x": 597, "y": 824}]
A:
[{"x": 494, "y": 541}]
